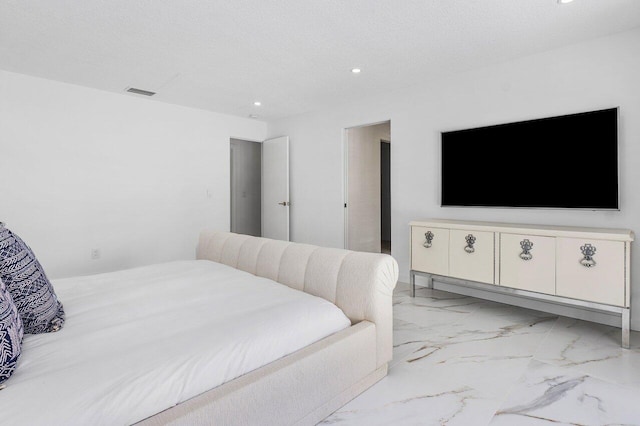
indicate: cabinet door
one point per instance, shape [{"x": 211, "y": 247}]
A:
[
  {"x": 583, "y": 273},
  {"x": 528, "y": 262},
  {"x": 471, "y": 255},
  {"x": 432, "y": 256}
]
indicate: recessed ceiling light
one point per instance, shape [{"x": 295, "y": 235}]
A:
[
  {"x": 356, "y": 70},
  {"x": 564, "y": 1},
  {"x": 257, "y": 103}
]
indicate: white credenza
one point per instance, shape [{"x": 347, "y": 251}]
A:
[{"x": 585, "y": 267}]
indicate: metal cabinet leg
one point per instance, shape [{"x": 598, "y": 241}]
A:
[
  {"x": 412, "y": 282},
  {"x": 626, "y": 327}
]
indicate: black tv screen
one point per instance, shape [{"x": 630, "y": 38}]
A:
[{"x": 564, "y": 162}]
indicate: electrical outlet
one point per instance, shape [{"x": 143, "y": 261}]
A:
[{"x": 95, "y": 254}]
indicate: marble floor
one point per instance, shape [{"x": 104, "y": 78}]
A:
[{"x": 459, "y": 360}]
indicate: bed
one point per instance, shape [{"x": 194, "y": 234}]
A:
[{"x": 215, "y": 340}]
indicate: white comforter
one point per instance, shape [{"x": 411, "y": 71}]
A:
[{"x": 136, "y": 342}]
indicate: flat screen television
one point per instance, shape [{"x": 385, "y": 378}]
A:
[{"x": 563, "y": 162}]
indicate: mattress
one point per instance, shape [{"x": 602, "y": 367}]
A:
[{"x": 141, "y": 340}]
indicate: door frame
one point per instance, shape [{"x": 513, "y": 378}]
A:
[{"x": 345, "y": 173}]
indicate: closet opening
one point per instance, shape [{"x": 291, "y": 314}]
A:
[
  {"x": 368, "y": 188},
  {"x": 246, "y": 187}
]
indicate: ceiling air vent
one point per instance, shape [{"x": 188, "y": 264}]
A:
[{"x": 140, "y": 91}]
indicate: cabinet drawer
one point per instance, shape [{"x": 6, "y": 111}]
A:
[
  {"x": 473, "y": 260},
  {"x": 602, "y": 282},
  {"x": 433, "y": 259},
  {"x": 528, "y": 262}
]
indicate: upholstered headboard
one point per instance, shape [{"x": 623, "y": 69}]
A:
[{"x": 361, "y": 284}]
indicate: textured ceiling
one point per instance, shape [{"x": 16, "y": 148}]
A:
[{"x": 292, "y": 55}]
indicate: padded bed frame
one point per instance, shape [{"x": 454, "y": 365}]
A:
[{"x": 306, "y": 386}]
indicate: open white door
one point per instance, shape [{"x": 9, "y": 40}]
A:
[{"x": 275, "y": 188}]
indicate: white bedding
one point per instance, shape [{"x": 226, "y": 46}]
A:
[{"x": 139, "y": 341}]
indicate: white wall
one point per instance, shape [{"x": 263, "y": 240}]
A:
[
  {"x": 83, "y": 169},
  {"x": 598, "y": 74}
]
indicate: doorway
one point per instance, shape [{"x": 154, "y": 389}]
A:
[
  {"x": 368, "y": 188},
  {"x": 259, "y": 182},
  {"x": 385, "y": 196},
  {"x": 246, "y": 187}
]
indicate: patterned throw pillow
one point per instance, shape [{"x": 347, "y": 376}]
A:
[
  {"x": 11, "y": 333},
  {"x": 31, "y": 290}
]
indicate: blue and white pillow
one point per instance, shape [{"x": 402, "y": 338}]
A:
[
  {"x": 31, "y": 290},
  {"x": 11, "y": 333}
]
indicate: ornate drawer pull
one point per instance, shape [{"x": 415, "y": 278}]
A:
[
  {"x": 428, "y": 239},
  {"x": 588, "y": 251},
  {"x": 526, "y": 250},
  {"x": 470, "y": 242}
]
